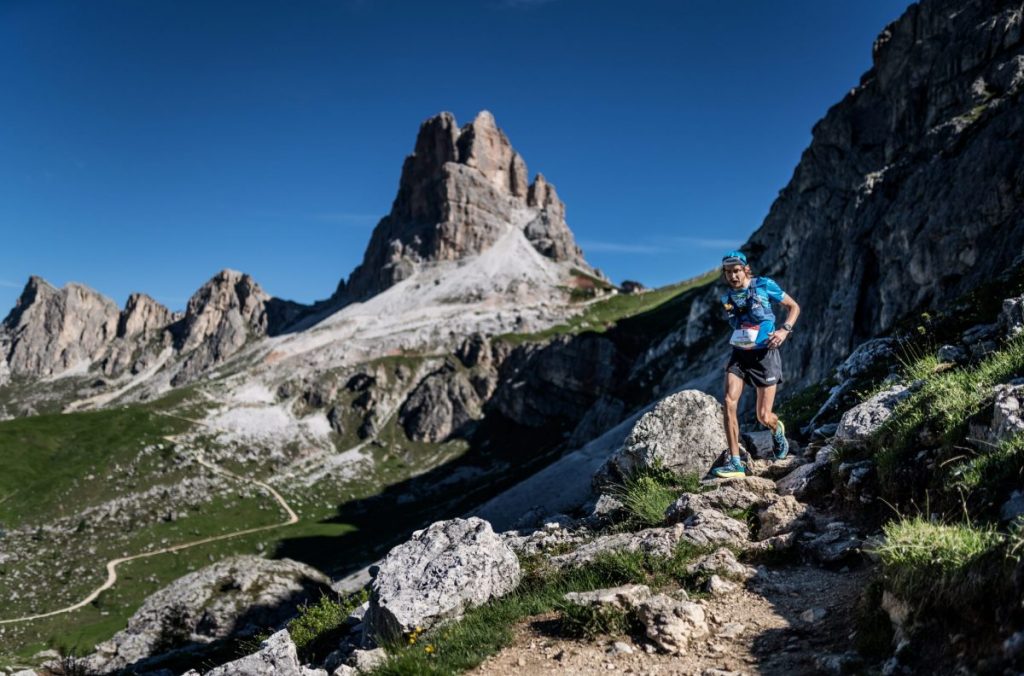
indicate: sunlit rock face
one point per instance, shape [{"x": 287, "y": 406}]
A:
[
  {"x": 52, "y": 330},
  {"x": 460, "y": 190}
]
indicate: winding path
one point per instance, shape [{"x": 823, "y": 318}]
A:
[{"x": 112, "y": 565}]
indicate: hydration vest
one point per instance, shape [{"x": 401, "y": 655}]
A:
[{"x": 756, "y": 309}]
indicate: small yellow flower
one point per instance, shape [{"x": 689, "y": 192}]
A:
[{"x": 429, "y": 649}]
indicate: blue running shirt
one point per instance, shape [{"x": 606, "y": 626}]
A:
[{"x": 749, "y": 333}]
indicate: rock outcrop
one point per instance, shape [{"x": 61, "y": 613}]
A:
[
  {"x": 682, "y": 434},
  {"x": 460, "y": 190},
  {"x": 440, "y": 406},
  {"x": 233, "y": 597},
  {"x": 917, "y": 169},
  {"x": 437, "y": 575},
  {"x": 143, "y": 317}
]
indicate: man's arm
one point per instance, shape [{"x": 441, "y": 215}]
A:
[{"x": 792, "y": 313}]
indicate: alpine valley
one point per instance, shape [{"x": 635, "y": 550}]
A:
[{"x": 180, "y": 488}]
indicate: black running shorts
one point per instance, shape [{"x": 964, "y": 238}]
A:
[{"x": 760, "y": 368}]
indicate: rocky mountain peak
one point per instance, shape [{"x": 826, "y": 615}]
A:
[
  {"x": 142, "y": 316},
  {"x": 35, "y": 289},
  {"x": 460, "y": 190},
  {"x": 220, "y": 318},
  {"x": 229, "y": 298},
  {"x": 483, "y": 146},
  {"x": 51, "y": 330}
]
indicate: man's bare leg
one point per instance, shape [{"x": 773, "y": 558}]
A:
[
  {"x": 733, "y": 391},
  {"x": 765, "y": 401}
]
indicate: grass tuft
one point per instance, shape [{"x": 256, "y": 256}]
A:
[
  {"x": 998, "y": 468},
  {"x": 322, "y": 622},
  {"x": 942, "y": 406},
  {"x": 647, "y": 493},
  {"x": 645, "y": 499},
  {"x": 940, "y": 565},
  {"x": 591, "y": 621}
]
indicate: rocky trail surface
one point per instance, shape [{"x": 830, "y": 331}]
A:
[
  {"x": 794, "y": 617},
  {"x": 783, "y": 624}
]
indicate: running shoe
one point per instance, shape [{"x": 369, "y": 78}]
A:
[
  {"x": 779, "y": 442},
  {"x": 731, "y": 469}
]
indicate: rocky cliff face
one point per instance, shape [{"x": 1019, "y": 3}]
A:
[
  {"x": 909, "y": 195},
  {"x": 460, "y": 190}
]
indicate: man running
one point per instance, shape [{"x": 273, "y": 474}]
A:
[{"x": 755, "y": 356}]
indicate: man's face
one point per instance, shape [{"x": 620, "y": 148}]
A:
[{"x": 736, "y": 276}]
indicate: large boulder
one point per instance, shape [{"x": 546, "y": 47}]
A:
[
  {"x": 683, "y": 433},
  {"x": 860, "y": 422},
  {"x": 437, "y": 575},
  {"x": 234, "y": 597}
]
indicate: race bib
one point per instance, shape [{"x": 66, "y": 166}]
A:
[{"x": 745, "y": 337}]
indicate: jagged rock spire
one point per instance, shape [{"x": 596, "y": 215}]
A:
[{"x": 459, "y": 192}]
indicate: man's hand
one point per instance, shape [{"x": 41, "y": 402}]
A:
[{"x": 777, "y": 337}]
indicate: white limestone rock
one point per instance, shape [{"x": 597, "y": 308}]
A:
[{"x": 437, "y": 575}]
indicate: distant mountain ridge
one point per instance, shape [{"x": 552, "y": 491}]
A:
[{"x": 460, "y": 192}]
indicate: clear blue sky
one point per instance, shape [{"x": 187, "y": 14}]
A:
[{"x": 145, "y": 145}]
